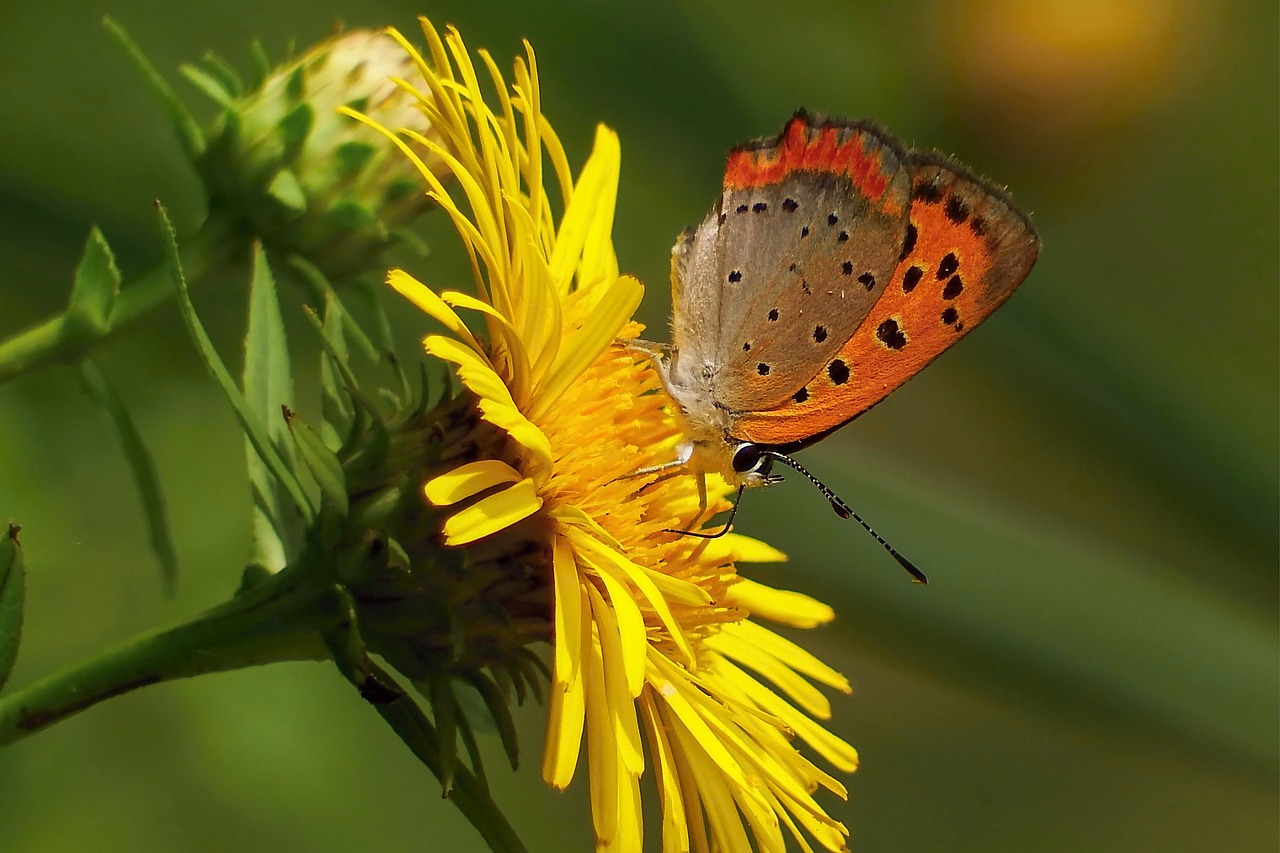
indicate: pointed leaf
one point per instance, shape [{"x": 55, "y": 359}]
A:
[
  {"x": 473, "y": 750},
  {"x": 97, "y": 283},
  {"x": 500, "y": 712},
  {"x": 187, "y": 129},
  {"x": 294, "y": 129},
  {"x": 141, "y": 465},
  {"x": 248, "y": 421},
  {"x": 445, "y": 710},
  {"x": 351, "y": 157},
  {"x": 12, "y": 594},
  {"x": 323, "y": 464},
  {"x": 287, "y": 190},
  {"x": 322, "y": 292},
  {"x": 296, "y": 87},
  {"x": 209, "y": 85},
  {"x": 222, "y": 71},
  {"x": 268, "y": 385},
  {"x": 336, "y": 404},
  {"x": 261, "y": 65}
]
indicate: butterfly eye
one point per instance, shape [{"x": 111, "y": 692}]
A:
[{"x": 748, "y": 459}]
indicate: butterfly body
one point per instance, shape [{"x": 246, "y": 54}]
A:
[{"x": 834, "y": 266}]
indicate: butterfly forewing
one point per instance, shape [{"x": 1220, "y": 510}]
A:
[
  {"x": 798, "y": 250},
  {"x": 967, "y": 248}
]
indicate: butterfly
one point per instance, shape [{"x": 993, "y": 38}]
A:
[{"x": 835, "y": 265}]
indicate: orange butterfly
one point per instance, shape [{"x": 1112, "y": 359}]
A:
[{"x": 835, "y": 265}]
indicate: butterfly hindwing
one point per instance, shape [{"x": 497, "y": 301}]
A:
[{"x": 966, "y": 249}]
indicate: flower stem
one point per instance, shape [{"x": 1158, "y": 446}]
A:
[
  {"x": 277, "y": 621},
  {"x": 60, "y": 339}
]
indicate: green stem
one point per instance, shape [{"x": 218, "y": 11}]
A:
[
  {"x": 277, "y": 621},
  {"x": 61, "y": 340}
]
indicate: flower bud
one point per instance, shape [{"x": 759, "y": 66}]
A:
[{"x": 282, "y": 163}]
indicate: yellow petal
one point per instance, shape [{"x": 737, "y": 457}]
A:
[
  {"x": 583, "y": 347},
  {"x": 793, "y": 655},
  {"x": 790, "y": 608},
  {"x": 835, "y": 750},
  {"x": 602, "y": 745},
  {"x": 435, "y": 307},
  {"x": 635, "y": 639},
  {"x": 675, "y": 828},
  {"x": 468, "y": 480},
  {"x": 567, "y": 713},
  {"x": 474, "y": 371},
  {"x": 605, "y": 559},
  {"x": 743, "y": 549},
  {"x": 622, "y": 710},
  {"x": 678, "y": 590},
  {"x": 491, "y": 514},
  {"x": 800, "y": 691},
  {"x": 594, "y": 196},
  {"x": 673, "y": 685},
  {"x": 525, "y": 433}
]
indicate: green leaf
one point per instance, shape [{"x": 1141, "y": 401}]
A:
[
  {"x": 351, "y": 157},
  {"x": 444, "y": 707},
  {"x": 256, "y": 433},
  {"x": 473, "y": 750},
  {"x": 296, "y": 86},
  {"x": 500, "y": 711},
  {"x": 324, "y": 465},
  {"x": 209, "y": 85},
  {"x": 268, "y": 385},
  {"x": 261, "y": 65},
  {"x": 336, "y": 402},
  {"x": 97, "y": 284},
  {"x": 286, "y": 189},
  {"x": 141, "y": 465},
  {"x": 322, "y": 291},
  {"x": 294, "y": 129},
  {"x": 187, "y": 129},
  {"x": 12, "y": 594},
  {"x": 222, "y": 71}
]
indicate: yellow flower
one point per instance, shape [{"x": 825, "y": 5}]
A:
[{"x": 656, "y": 659}]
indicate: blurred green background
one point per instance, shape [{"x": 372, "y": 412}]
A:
[{"x": 1090, "y": 480}]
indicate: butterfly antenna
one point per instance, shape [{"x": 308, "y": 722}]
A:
[
  {"x": 843, "y": 510},
  {"x": 699, "y": 535}
]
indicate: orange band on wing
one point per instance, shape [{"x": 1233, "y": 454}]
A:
[{"x": 815, "y": 149}]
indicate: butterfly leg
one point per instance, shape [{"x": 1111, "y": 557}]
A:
[
  {"x": 654, "y": 349},
  {"x": 683, "y": 455}
]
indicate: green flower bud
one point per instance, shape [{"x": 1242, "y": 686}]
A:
[{"x": 282, "y": 163}]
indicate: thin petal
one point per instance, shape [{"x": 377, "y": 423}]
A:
[
  {"x": 537, "y": 459},
  {"x": 602, "y": 745},
  {"x": 607, "y": 560},
  {"x": 613, "y": 311},
  {"x": 790, "y": 608},
  {"x": 801, "y": 692},
  {"x": 474, "y": 371},
  {"x": 597, "y": 186},
  {"x": 635, "y": 639},
  {"x": 469, "y": 480},
  {"x": 743, "y": 549},
  {"x": 568, "y": 615},
  {"x": 622, "y": 709},
  {"x": 491, "y": 514},
  {"x": 784, "y": 650},
  {"x": 567, "y": 713},
  {"x": 435, "y": 307},
  {"x": 675, "y": 828}
]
